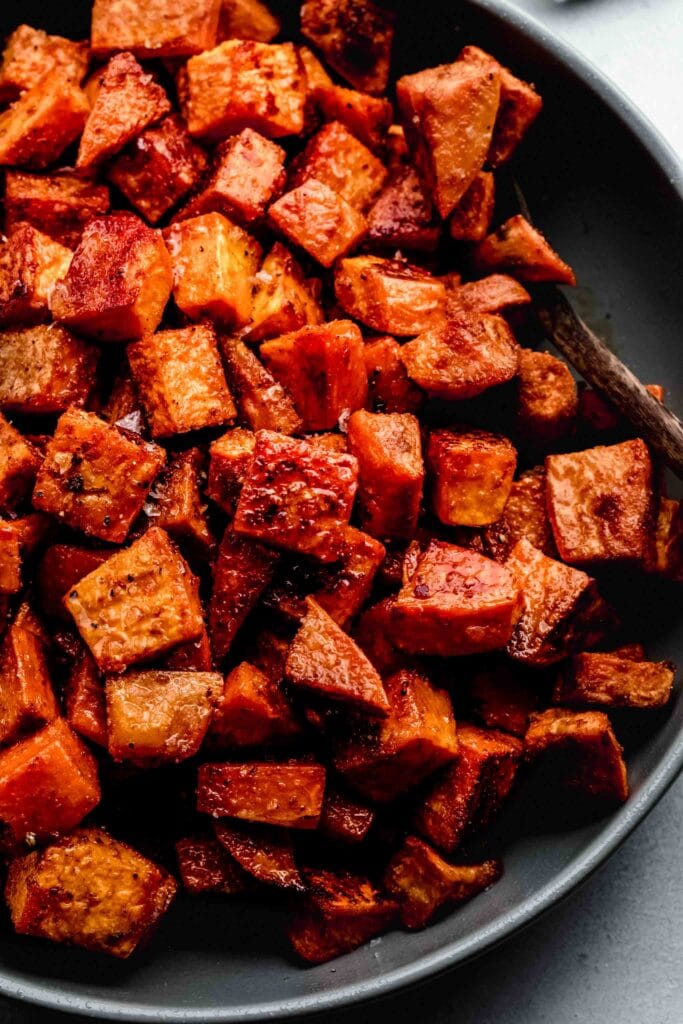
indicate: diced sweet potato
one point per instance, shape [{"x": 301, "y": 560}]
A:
[
  {"x": 354, "y": 37},
  {"x": 251, "y": 710},
  {"x": 325, "y": 661},
  {"x": 118, "y": 282},
  {"x": 462, "y": 357},
  {"x": 192, "y": 656},
  {"x": 471, "y": 474},
  {"x": 265, "y": 854},
  {"x": 345, "y": 819},
  {"x": 390, "y": 472},
  {"x": 366, "y": 117},
  {"x": 384, "y": 760},
  {"x": 30, "y": 265},
  {"x": 456, "y": 602},
  {"x": 30, "y": 53},
  {"x": 206, "y": 866},
  {"x": 547, "y": 398},
  {"x": 611, "y": 680},
  {"x": 518, "y": 249},
  {"x": 323, "y": 369},
  {"x": 59, "y": 205},
  {"x": 525, "y": 517},
  {"x": 471, "y": 218},
  {"x": 55, "y": 762},
  {"x": 245, "y": 84},
  {"x": 36, "y": 129},
  {"x": 262, "y": 401},
  {"x": 19, "y": 463},
  {"x": 178, "y": 505},
  {"x": 84, "y": 700},
  {"x": 319, "y": 220},
  {"x": 138, "y": 604},
  {"x": 153, "y": 28},
  {"x": 88, "y": 890},
  {"x": 10, "y": 560},
  {"x": 402, "y": 216},
  {"x": 582, "y": 746},
  {"x": 289, "y": 795},
  {"x": 297, "y": 496},
  {"x": 562, "y": 610},
  {"x": 502, "y": 698},
  {"x": 664, "y": 554},
  {"x": 600, "y": 502},
  {"x": 423, "y": 882},
  {"x": 247, "y": 19},
  {"x": 123, "y": 406},
  {"x": 389, "y": 387},
  {"x": 496, "y": 293},
  {"x": 283, "y": 300},
  {"x": 229, "y": 460},
  {"x": 338, "y": 159},
  {"x": 27, "y": 699},
  {"x": 243, "y": 570},
  {"x": 63, "y": 565},
  {"x": 95, "y": 477},
  {"x": 470, "y": 791},
  {"x": 389, "y": 295},
  {"x": 44, "y": 369}
]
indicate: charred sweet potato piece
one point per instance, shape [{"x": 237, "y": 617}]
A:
[
  {"x": 59, "y": 205},
  {"x": 262, "y": 401},
  {"x": 19, "y": 463},
  {"x": 547, "y": 398},
  {"x": 319, "y": 220},
  {"x": 229, "y": 461},
  {"x": 191, "y": 656},
  {"x": 562, "y": 610},
  {"x": 84, "y": 701},
  {"x": 456, "y": 602},
  {"x": 30, "y": 265},
  {"x": 96, "y": 477},
  {"x": 206, "y": 866},
  {"x": 153, "y": 28},
  {"x": 496, "y": 293},
  {"x": 267, "y": 855},
  {"x": 297, "y": 496},
  {"x": 470, "y": 791},
  {"x": 366, "y": 117},
  {"x": 118, "y": 282},
  {"x": 325, "y": 661},
  {"x": 251, "y": 710},
  {"x": 389, "y": 387},
  {"x": 582, "y": 748},
  {"x": 471, "y": 474},
  {"x": 423, "y": 882},
  {"x": 597, "y": 415},
  {"x": 245, "y": 84},
  {"x": 600, "y": 502},
  {"x": 389, "y": 295},
  {"x": 30, "y": 53},
  {"x": 390, "y": 472},
  {"x": 178, "y": 506},
  {"x": 501, "y": 697},
  {"x": 44, "y": 369},
  {"x": 37, "y": 128},
  {"x": 402, "y": 216},
  {"x": 283, "y": 300},
  {"x": 53, "y": 761},
  {"x": 344, "y": 818},
  {"x": 63, "y": 565},
  {"x": 525, "y": 517},
  {"x": 471, "y": 218},
  {"x": 462, "y": 357},
  {"x": 611, "y": 680},
  {"x": 338, "y": 159},
  {"x": 518, "y": 249},
  {"x": 27, "y": 699},
  {"x": 247, "y": 19},
  {"x": 354, "y": 37},
  {"x": 123, "y": 406},
  {"x": 11, "y": 558},
  {"x": 664, "y": 554},
  {"x": 323, "y": 369},
  {"x": 89, "y": 890},
  {"x": 140, "y": 603},
  {"x": 289, "y": 795},
  {"x": 243, "y": 570}
]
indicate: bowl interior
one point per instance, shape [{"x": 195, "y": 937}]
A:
[{"x": 597, "y": 185}]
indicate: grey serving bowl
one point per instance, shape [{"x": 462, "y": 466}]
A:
[{"x": 609, "y": 194}]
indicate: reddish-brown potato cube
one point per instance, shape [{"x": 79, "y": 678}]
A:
[
  {"x": 297, "y": 496},
  {"x": 336, "y": 158},
  {"x": 283, "y": 299},
  {"x": 37, "y": 128},
  {"x": 247, "y": 19},
  {"x": 525, "y": 517},
  {"x": 323, "y": 369},
  {"x": 600, "y": 502},
  {"x": 118, "y": 282},
  {"x": 96, "y": 477},
  {"x": 59, "y": 205},
  {"x": 390, "y": 472},
  {"x": 470, "y": 791},
  {"x": 344, "y": 818},
  {"x": 518, "y": 249},
  {"x": 245, "y": 84},
  {"x": 153, "y": 28},
  {"x": 27, "y": 699},
  {"x": 44, "y": 369},
  {"x": 88, "y": 890},
  {"x": 456, "y": 602},
  {"x": 289, "y": 795},
  {"x": 384, "y": 760},
  {"x": 503, "y": 697},
  {"x": 389, "y": 387},
  {"x": 599, "y": 416},
  {"x": 325, "y": 661},
  {"x": 547, "y": 398},
  {"x": 192, "y": 656},
  {"x": 462, "y": 357},
  {"x": 84, "y": 701},
  {"x": 471, "y": 218},
  {"x": 561, "y": 608},
  {"x": 366, "y": 117},
  {"x": 265, "y": 854},
  {"x": 214, "y": 262},
  {"x": 319, "y": 220},
  {"x": 178, "y": 503},
  {"x": 30, "y": 53},
  {"x": 205, "y": 865},
  {"x": 422, "y": 882},
  {"x": 48, "y": 783},
  {"x": 251, "y": 710},
  {"x": 262, "y": 401},
  {"x": 389, "y": 295},
  {"x": 19, "y": 463},
  {"x": 138, "y": 604},
  {"x": 229, "y": 461},
  {"x": 496, "y": 293},
  {"x": 11, "y": 557},
  {"x": 242, "y": 572},
  {"x": 354, "y": 37},
  {"x": 471, "y": 476},
  {"x": 584, "y": 749},
  {"x": 664, "y": 554},
  {"x": 402, "y": 216},
  {"x": 612, "y": 680},
  {"x": 63, "y": 565},
  {"x": 30, "y": 265}
]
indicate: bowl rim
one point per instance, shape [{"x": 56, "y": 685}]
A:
[{"x": 617, "y": 828}]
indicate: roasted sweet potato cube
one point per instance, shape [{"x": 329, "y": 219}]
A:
[
  {"x": 84, "y": 701},
  {"x": 389, "y": 295},
  {"x": 178, "y": 505},
  {"x": 423, "y": 882},
  {"x": 262, "y": 401},
  {"x": 319, "y": 220},
  {"x": 600, "y": 502},
  {"x": 470, "y": 791},
  {"x": 214, "y": 262},
  {"x": 354, "y": 37},
  {"x": 547, "y": 399},
  {"x": 338, "y": 159},
  {"x": 44, "y": 369},
  {"x": 251, "y": 710},
  {"x": 471, "y": 218},
  {"x": 611, "y": 680},
  {"x": 344, "y": 818},
  {"x": 501, "y": 697},
  {"x": 525, "y": 517},
  {"x": 19, "y": 463},
  {"x": 192, "y": 656},
  {"x": 373, "y": 634},
  {"x": 289, "y": 795},
  {"x": 323, "y": 369},
  {"x": 366, "y": 117},
  {"x": 456, "y": 602},
  {"x": 89, "y": 890},
  {"x": 63, "y": 565},
  {"x": 518, "y": 249},
  {"x": 118, "y": 282},
  {"x": 229, "y": 461},
  {"x": 283, "y": 300},
  {"x": 205, "y": 865},
  {"x": 36, "y": 129},
  {"x": 30, "y": 53},
  {"x": 402, "y": 216},
  {"x": 59, "y": 205},
  {"x": 297, "y": 496},
  {"x": 496, "y": 293},
  {"x": 582, "y": 748},
  {"x": 267, "y": 855},
  {"x": 664, "y": 555},
  {"x": 389, "y": 387},
  {"x": 53, "y": 761},
  {"x": 471, "y": 474},
  {"x": 390, "y": 472},
  {"x": 153, "y": 28},
  {"x": 138, "y": 604},
  {"x": 562, "y": 610},
  {"x": 247, "y": 19},
  {"x": 96, "y": 477},
  {"x": 325, "y": 661},
  {"x": 245, "y": 84},
  {"x": 27, "y": 700},
  {"x": 463, "y": 357},
  {"x": 11, "y": 558},
  {"x": 30, "y": 265},
  {"x": 243, "y": 571}
]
